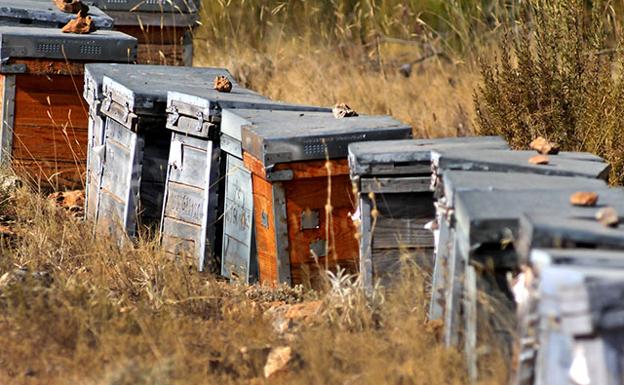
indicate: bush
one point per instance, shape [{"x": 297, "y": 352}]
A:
[{"x": 558, "y": 76}]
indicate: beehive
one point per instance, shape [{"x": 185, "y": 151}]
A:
[
  {"x": 485, "y": 223},
  {"x": 44, "y": 119},
  {"x": 303, "y": 199},
  {"x": 136, "y": 144},
  {"x": 454, "y": 181},
  {"x": 224, "y": 191},
  {"x": 43, "y": 13},
  {"x": 575, "y": 329},
  {"x": 164, "y": 28},
  {"x": 393, "y": 180}
]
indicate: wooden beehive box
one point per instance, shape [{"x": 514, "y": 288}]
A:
[
  {"x": 393, "y": 181},
  {"x": 136, "y": 143},
  {"x": 224, "y": 191},
  {"x": 455, "y": 181},
  {"x": 42, "y": 13},
  {"x": 44, "y": 118},
  {"x": 485, "y": 224},
  {"x": 575, "y": 331},
  {"x": 303, "y": 198},
  {"x": 164, "y": 28}
]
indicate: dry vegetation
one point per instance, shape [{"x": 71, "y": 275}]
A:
[{"x": 74, "y": 309}]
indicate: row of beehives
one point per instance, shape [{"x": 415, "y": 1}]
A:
[
  {"x": 550, "y": 221},
  {"x": 263, "y": 190}
]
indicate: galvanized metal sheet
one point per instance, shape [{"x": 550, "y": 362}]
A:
[
  {"x": 288, "y": 136},
  {"x": 405, "y": 156},
  {"x": 155, "y": 19},
  {"x": 190, "y": 204},
  {"x": 46, "y": 14},
  {"x": 119, "y": 184},
  {"x": 143, "y": 88},
  {"x": 238, "y": 221},
  {"x": 158, "y": 6},
  {"x": 48, "y": 43},
  {"x": 563, "y": 164},
  {"x": 565, "y": 230},
  {"x": 95, "y": 158},
  {"x": 454, "y": 181}
]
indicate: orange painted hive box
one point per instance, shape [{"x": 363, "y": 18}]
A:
[
  {"x": 303, "y": 197},
  {"x": 164, "y": 29},
  {"x": 43, "y": 132}
]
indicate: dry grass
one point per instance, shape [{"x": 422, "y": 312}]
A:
[{"x": 79, "y": 310}]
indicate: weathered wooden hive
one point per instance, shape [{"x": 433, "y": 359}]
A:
[
  {"x": 205, "y": 170},
  {"x": 303, "y": 198},
  {"x": 43, "y": 13},
  {"x": 44, "y": 119},
  {"x": 93, "y": 81},
  {"x": 574, "y": 318},
  {"x": 136, "y": 143},
  {"x": 485, "y": 223},
  {"x": 164, "y": 28},
  {"x": 453, "y": 181},
  {"x": 393, "y": 181}
]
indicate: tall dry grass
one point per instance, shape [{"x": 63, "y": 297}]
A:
[{"x": 75, "y": 309}]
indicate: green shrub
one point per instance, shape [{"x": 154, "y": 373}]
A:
[{"x": 558, "y": 76}]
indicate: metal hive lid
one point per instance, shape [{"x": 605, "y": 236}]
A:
[
  {"x": 47, "y": 43},
  {"x": 454, "y": 181},
  {"x": 363, "y": 155},
  {"x": 547, "y": 230},
  {"x": 94, "y": 76},
  {"x": 155, "y": 19},
  {"x": 563, "y": 164},
  {"x": 488, "y": 216},
  {"x": 144, "y": 89},
  {"x": 287, "y": 136},
  {"x": 158, "y": 6},
  {"x": 577, "y": 257},
  {"x": 44, "y": 13},
  {"x": 234, "y": 119}
]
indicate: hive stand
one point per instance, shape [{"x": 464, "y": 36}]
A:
[
  {"x": 303, "y": 198},
  {"x": 42, "y": 13},
  {"x": 164, "y": 28},
  {"x": 137, "y": 144},
  {"x": 393, "y": 180},
  {"x": 44, "y": 119},
  {"x": 200, "y": 175}
]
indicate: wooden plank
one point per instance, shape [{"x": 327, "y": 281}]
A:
[
  {"x": 194, "y": 162},
  {"x": 117, "y": 169},
  {"x": 395, "y": 184},
  {"x": 50, "y": 173},
  {"x": 315, "y": 169},
  {"x": 265, "y": 230},
  {"x": 161, "y": 54},
  {"x": 439, "y": 278},
  {"x": 180, "y": 238},
  {"x": 337, "y": 231},
  {"x": 453, "y": 296},
  {"x": 387, "y": 263},
  {"x": 7, "y": 114},
  {"x": 390, "y": 233},
  {"x": 47, "y": 67},
  {"x": 112, "y": 223},
  {"x": 185, "y": 203},
  {"x": 51, "y": 123},
  {"x": 470, "y": 322},
  {"x": 366, "y": 257},
  {"x": 406, "y": 205},
  {"x": 149, "y": 34}
]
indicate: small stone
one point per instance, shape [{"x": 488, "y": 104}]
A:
[
  {"x": 584, "y": 198},
  {"x": 341, "y": 110},
  {"x": 80, "y": 25},
  {"x": 278, "y": 361},
  {"x": 539, "y": 159},
  {"x": 544, "y": 147},
  {"x": 222, "y": 84},
  {"x": 608, "y": 217}
]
